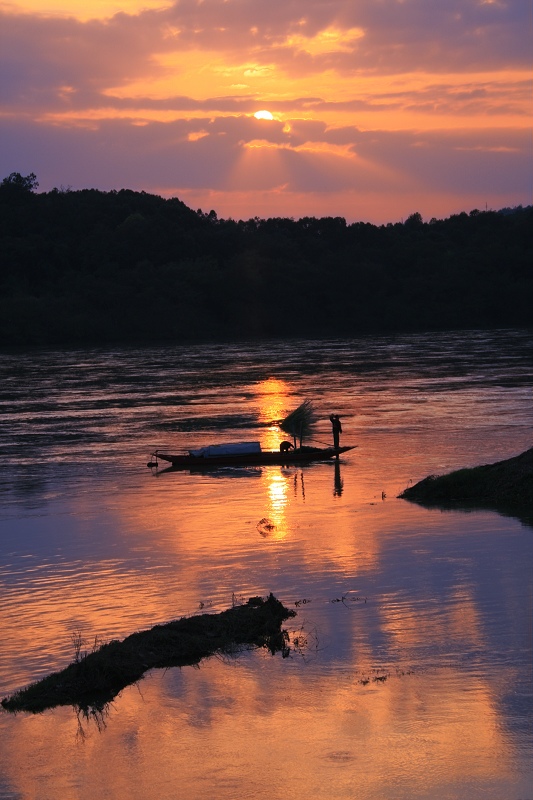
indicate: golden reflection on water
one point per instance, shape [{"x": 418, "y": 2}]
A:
[
  {"x": 278, "y": 496},
  {"x": 457, "y": 621},
  {"x": 435, "y": 728},
  {"x": 271, "y": 397},
  {"x": 444, "y": 625},
  {"x": 241, "y": 728}
]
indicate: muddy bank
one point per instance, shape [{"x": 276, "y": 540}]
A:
[
  {"x": 505, "y": 486},
  {"x": 94, "y": 680}
]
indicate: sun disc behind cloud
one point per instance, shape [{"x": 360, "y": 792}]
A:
[{"x": 263, "y": 115}]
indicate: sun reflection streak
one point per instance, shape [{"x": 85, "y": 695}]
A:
[
  {"x": 272, "y": 400},
  {"x": 272, "y": 396},
  {"x": 278, "y": 489},
  {"x": 272, "y": 393}
]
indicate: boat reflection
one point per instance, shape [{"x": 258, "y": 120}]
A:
[
  {"x": 278, "y": 494},
  {"x": 214, "y": 472}
]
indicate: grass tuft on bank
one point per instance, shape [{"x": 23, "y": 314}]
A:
[{"x": 93, "y": 680}]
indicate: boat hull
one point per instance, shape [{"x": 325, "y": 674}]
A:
[{"x": 302, "y": 455}]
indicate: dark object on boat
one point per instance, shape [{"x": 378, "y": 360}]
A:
[
  {"x": 285, "y": 447},
  {"x": 505, "y": 485},
  {"x": 245, "y": 454},
  {"x": 93, "y": 681}
]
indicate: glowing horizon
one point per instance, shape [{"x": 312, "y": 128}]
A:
[{"x": 367, "y": 111}]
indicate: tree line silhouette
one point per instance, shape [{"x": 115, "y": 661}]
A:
[{"x": 80, "y": 267}]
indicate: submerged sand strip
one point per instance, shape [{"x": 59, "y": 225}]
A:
[
  {"x": 505, "y": 484},
  {"x": 93, "y": 680}
]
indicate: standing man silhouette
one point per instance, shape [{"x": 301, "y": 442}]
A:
[{"x": 336, "y": 428}]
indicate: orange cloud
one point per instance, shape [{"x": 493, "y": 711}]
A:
[{"x": 384, "y": 92}]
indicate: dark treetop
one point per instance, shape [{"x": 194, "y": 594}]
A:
[{"x": 79, "y": 267}]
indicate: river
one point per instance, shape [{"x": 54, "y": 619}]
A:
[{"x": 410, "y": 672}]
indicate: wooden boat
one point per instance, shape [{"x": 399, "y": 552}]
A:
[{"x": 245, "y": 454}]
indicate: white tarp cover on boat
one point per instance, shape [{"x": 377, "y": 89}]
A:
[{"x": 236, "y": 449}]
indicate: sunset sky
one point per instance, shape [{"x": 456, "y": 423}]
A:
[{"x": 375, "y": 109}]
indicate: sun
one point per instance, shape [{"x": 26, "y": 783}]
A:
[{"x": 263, "y": 115}]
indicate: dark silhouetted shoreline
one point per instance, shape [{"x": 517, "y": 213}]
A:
[
  {"x": 89, "y": 267},
  {"x": 505, "y": 486}
]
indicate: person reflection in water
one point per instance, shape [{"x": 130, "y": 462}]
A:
[
  {"x": 338, "y": 483},
  {"x": 337, "y": 429}
]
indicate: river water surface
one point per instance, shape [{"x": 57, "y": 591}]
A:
[{"x": 410, "y": 669}]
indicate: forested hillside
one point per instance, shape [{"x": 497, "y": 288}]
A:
[{"x": 88, "y": 266}]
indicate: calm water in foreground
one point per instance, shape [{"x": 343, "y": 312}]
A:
[{"x": 410, "y": 672}]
